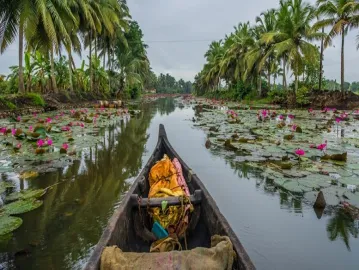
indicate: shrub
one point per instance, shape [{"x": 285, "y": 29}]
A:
[
  {"x": 36, "y": 99},
  {"x": 7, "y": 103},
  {"x": 302, "y": 96}
]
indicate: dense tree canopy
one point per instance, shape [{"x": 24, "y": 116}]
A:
[
  {"x": 281, "y": 42},
  {"x": 51, "y": 31}
]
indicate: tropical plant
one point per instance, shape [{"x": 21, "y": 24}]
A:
[{"x": 341, "y": 16}]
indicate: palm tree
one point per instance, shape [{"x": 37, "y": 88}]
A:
[
  {"x": 16, "y": 17},
  {"x": 341, "y": 225},
  {"x": 341, "y": 16},
  {"x": 292, "y": 40}
]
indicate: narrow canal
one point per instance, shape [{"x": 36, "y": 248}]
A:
[{"x": 277, "y": 230}]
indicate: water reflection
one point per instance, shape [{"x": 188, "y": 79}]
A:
[
  {"x": 61, "y": 233},
  {"x": 341, "y": 226}
]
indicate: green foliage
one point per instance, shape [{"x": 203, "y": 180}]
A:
[
  {"x": 302, "y": 96},
  {"x": 165, "y": 83},
  {"x": 8, "y": 104},
  {"x": 36, "y": 99},
  {"x": 277, "y": 96}
]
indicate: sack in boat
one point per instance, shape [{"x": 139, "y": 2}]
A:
[{"x": 219, "y": 256}]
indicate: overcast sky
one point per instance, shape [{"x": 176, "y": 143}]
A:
[{"x": 193, "y": 20}]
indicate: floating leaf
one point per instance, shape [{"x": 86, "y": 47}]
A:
[
  {"x": 29, "y": 175},
  {"x": 9, "y": 224},
  {"x": 22, "y": 206},
  {"x": 5, "y": 185},
  {"x": 25, "y": 194}
]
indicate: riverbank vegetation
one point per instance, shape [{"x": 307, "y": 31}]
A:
[
  {"x": 250, "y": 61},
  {"x": 50, "y": 33}
]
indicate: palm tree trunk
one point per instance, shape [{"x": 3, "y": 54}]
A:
[
  {"x": 21, "y": 57},
  {"x": 269, "y": 83},
  {"x": 260, "y": 86},
  {"x": 321, "y": 61},
  {"x": 90, "y": 64},
  {"x": 70, "y": 72},
  {"x": 342, "y": 64},
  {"x": 53, "y": 78},
  {"x": 284, "y": 76},
  {"x": 104, "y": 59}
]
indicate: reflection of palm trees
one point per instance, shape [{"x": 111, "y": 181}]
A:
[
  {"x": 341, "y": 225},
  {"x": 166, "y": 105},
  {"x": 75, "y": 212}
]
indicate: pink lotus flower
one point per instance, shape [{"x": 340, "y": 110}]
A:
[
  {"x": 31, "y": 128},
  {"x": 34, "y": 115},
  {"x": 49, "y": 142},
  {"x": 65, "y": 146},
  {"x": 338, "y": 120},
  {"x": 264, "y": 113},
  {"x": 18, "y": 119},
  {"x": 72, "y": 111},
  {"x": 3, "y": 130},
  {"x": 322, "y": 146},
  {"x": 82, "y": 125},
  {"x": 291, "y": 116},
  {"x": 40, "y": 143},
  {"x": 300, "y": 152},
  {"x": 281, "y": 117},
  {"x": 310, "y": 110},
  {"x": 48, "y": 120},
  {"x": 294, "y": 128},
  {"x": 65, "y": 128},
  {"x": 13, "y": 131},
  {"x": 18, "y": 146},
  {"x": 57, "y": 117}
]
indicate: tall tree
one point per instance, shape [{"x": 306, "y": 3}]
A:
[{"x": 341, "y": 16}]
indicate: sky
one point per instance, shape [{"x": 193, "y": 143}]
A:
[{"x": 191, "y": 25}]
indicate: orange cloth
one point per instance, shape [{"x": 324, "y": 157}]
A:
[{"x": 163, "y": 175}]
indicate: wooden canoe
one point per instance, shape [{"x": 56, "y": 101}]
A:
[{"x": 126, "y": 227}]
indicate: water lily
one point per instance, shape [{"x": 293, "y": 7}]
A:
[
  {"x": 18, "y": 119},
  {"x": 294, "y": 128},
  {"x": 291, "y": 116},
  {"x": 300, "y": 152},
  {"x": 34, "y": 115},
  {"x": 65, "y": 146},
  {"x": 18, "y": 146},
  {"x": 65, "y": 128},
  {"x": 57, "y": 117},
  {"x": 49, "y": 142},
  {"x": 281, "y": 117},
  {"x": 13, "y": 131},
  {"x": 3, "y": 130},
  {"x": 40, "y": 143},
  {"x": 31, "y": 128},
  {"x": 48, "y": 120},
  {"x": 82, "y": 125},
  {"x": 338, "y": 120}
]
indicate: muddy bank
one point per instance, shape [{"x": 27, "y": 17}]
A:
[
  {"x": 28, "y": 104},
  {"x": 334, "y": 99}
]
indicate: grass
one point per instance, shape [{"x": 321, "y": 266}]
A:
[
  {"x": 7, "y": 103},
  {"x": 36, "y": 99}
]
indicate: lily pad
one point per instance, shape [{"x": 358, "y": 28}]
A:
[
  {"x": 29, "y": 175},
  {"x": 5, "y": 185},
  {"x": 25, "y": 194},
  {"x": 22, "y": 206},
  {"x": 9, "y": 224}
]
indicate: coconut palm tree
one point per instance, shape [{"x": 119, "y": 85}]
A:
[
  {"x": 292, "y": 40},
  {"x": 16, "y": 17},
  {"x": 341, "y": 16}
]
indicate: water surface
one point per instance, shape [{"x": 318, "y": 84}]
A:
[{"x": 277, "y": 230}]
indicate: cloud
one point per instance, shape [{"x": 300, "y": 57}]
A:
[{"x": 202, "y": 21}]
